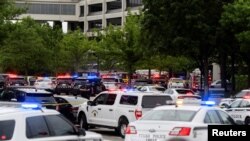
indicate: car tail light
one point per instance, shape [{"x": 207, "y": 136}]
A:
[
  {"x": 138, "y": 114},
  {"x": 180, "y": 131},
  {"x": 130, "y": 130},
  {"x": 180, "y": 97},
  {"x": 3, "y": 137}
]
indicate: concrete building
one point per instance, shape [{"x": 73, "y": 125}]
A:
[{"x": 85, "y": 14}]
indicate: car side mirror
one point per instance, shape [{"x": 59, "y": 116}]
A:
[
  {"x": 91, "y": 103},
  {"x": 81, "y": 132}
]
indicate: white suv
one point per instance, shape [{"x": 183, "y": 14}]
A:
[
  {"x": 26, "y": 124},
  {"x": 115, "y": 109}
]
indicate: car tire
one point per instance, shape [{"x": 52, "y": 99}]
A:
[
  {"x": 122, "y": 125},
  {"x": 247, "y": 121},
  {"x": 83, "y": 122}
]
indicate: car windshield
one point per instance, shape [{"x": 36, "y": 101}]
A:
[
  {"x": 81, "y": 81},
  {"x": 39, "y": 98},
  {"x": 184, "y": 91},
  {"x": 243, "y": 93},
  {"x": 162, "y": 89},
  {"x": 64, "y": 80},
  {"x": 16, "y": 79},
  {"x": 44, "y": 80},
  {"x": 109, "y": 80},
  {"x": 177, "y": 80},
  {"x": 154, "y": 100},
  {"x": 170, "y": 115}
]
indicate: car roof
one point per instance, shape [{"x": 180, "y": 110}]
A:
[
  {"x": 184, "y": 107},
  {"x": 33, "y": 90},
  {"x": 133, "y": 93},
  {"x": 70, "y": 97},
  {"x": 6, "y": 110},
  {"x": 245, "y": 90},
  {"x": 180, "y": 89}
]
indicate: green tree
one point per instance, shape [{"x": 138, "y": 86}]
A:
[
  {"x": 52, "y": 37},
  {"x": 8, "y": 12},
  {"x": 184, "y": 27},
  {"x": 75, "y": 45},
  {"x": 235, "y": 19},
  {"x": 124, "y": 43},
  {"x": 23, "y": 51}
]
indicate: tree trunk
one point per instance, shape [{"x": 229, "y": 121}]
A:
[
  {"x": 170, "y": 73},
  {"x": 233, "y": 72},
  {"x": 206, "y": 94},
  {"x": 149, "y": 73},
  {"x": 223, "y": 73},
  {"x": 130, "y": 73},
  {"x": 248, "y": 74}
]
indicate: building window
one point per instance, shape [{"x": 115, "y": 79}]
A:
[
  {"x": 134, "y": 3},
  {"x": 97, "y": 24},
  {"x": 95, "y": 8},
  {"x": 52, "y": 9},
  {"x": 81, "y": 11},
  {"x": 114, "y": 21},
  {"x": 114, "y": 5}
]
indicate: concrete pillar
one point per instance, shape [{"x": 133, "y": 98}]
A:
[
  {"x": 86, "y": 12},
  {"x": 65, "y": 27},
  {"x": 124, "y": 7},
  {"x": 51, "y": 23},
  {"x": 216, "y": 71},
  {"x": 104, "y": 11}
]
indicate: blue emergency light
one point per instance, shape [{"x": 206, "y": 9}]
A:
[
  {"x": 208, "y": 103},
  {"x": 30, "y": 106}
]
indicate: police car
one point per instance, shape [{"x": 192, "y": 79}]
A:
[
  {"x": 225, "y": 102},
  {"x": 31, "y": 123},
  {"x": 177, "y": 123},
  {"x": 240, "y": 110},
  {"x": 115, "y": 109},
  {"x": 64, "y": 84},
  {"x": 112, "y": 82}
]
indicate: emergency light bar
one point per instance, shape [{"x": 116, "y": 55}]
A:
[
  {"x": 197, "y": 102},
  {"x": 21, "y": 105}
]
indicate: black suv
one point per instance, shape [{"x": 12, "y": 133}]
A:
[
  {"x": 87, "y": 87},
  {"x": 28, "y": 94},
  {"x": 15, "y": 81},
  {"x": 64, "y": 85},
  {"x": 2, "y": 81}
]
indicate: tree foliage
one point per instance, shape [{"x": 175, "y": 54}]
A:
[{"x": 235, "y": 19}]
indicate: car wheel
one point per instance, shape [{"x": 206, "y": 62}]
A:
[
  {"x": 247, "y": 121},
  {"x": 83, "y": 122},
  {"x": 122, "y": 125}
]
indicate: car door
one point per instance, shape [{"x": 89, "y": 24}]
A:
[
  {"x": 244, "y": 110},
  {"x": 108, "y": 110},
  {"x": 95, "y": 110},
  {"x": 65, "y": 108},
  {"x": 234, "y": 110}
]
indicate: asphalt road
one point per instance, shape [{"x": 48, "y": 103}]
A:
[{"x": 108, "y": 134}]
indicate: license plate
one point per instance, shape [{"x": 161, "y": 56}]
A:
[
  {"x": 151, "y": 140},
  {"x": 152, "y": 137}
]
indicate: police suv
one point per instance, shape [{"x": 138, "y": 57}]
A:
[
  {"x": 183, "y": 122},
  {"x": 115, "y": 109},
  {"x": 28, "y": 122}
]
